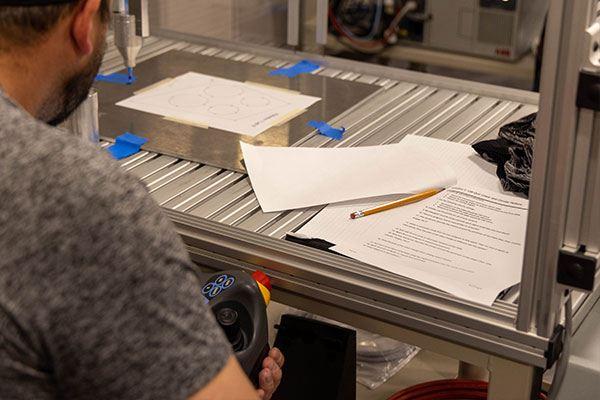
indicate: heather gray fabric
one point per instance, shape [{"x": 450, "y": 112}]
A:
[{"x": 98, "y": 299}]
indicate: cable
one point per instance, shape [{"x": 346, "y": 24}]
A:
[
  {"x": 374, "y": 27},
  {"x": 448, "y": 389},
  {"x": 366, "y": 46},
  {"x": 372, "y": 46},
  {"x": 393, "y": 28}
]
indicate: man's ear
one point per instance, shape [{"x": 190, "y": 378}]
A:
[{"x": 84, "y": 17}]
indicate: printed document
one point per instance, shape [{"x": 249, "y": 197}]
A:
[
  {"x": 285, "y": 178},
  {"x": 204, "y": 100},
  {"x": 467, "y": 242},
  {"x": 334, "y": 225}
]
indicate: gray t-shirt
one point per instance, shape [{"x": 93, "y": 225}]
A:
[{"x": 98, "y": 299}]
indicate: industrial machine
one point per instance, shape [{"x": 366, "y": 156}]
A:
[
  {"x": 210, "y": 200},
  {"x": 490, "y": 28},
  {"x": 501, "y": 29}
]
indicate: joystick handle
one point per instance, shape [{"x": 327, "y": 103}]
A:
[{"x": 229, "y": 320}]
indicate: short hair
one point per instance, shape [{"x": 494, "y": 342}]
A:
[{"x": 26, "y": 25}]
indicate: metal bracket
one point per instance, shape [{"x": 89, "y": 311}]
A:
[
  {"x": 555, "y": 346},
  {"x": 294, "y": 34},
  {"x": 588, "y": 91},
  {"x": 576, "y": 269}
]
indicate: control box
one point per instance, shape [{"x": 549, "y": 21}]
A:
[{"x": 501, "y": 29}]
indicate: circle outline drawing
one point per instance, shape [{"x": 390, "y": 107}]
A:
[
  {"x": 216, "y": 91},
  {"x": 196, "y": 100},
  {"x": 232, "y": 110},
  {"x": 245, "y": 101}
]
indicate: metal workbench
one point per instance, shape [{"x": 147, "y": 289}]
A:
[{"x": 220, "y": 220}]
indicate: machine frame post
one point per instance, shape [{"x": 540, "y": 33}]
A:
[{"x": 564, "y": 170}]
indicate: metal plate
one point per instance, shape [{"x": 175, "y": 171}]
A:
[{"x": 213, "y": 146}]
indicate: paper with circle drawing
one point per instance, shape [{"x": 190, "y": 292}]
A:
[
  {"x": 224, "y": 104},
  {"x": 285, "y": 178}
]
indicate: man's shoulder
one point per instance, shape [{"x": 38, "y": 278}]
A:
[
  {"x": 57, "y": 187},
  {"x": 38, "y": 159}
]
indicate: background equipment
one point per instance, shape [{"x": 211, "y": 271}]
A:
[{"x": 501, "y": 29}]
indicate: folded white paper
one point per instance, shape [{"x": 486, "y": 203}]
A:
[
  {"x": 471, "y": 171},
  {"x": 470, "y": 168},
  {"x": 287, "y": 178}
]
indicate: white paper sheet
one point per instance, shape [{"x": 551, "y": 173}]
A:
[
  {"x": 233, "y": 106},
  {"x": 332, "y": 223},
  {"x": 285, "y": 178},
  {"x": 467, "y": 242},
  {"x": 470, "y": 168}
]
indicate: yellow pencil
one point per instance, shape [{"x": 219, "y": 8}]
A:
[{"x": 395, "y": 204}]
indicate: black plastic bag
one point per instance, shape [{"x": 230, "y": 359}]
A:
[{"x": 513, "y": 153}]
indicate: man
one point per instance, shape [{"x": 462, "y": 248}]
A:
[{"x": 97, "y": 295}]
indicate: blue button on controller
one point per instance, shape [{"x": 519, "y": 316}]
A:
[{"x": 215, "y": 287}]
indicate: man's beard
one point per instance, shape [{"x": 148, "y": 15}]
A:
[{"x": 73, "y": 92}]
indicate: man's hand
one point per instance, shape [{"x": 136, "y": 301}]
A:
[{"x": 270, "y": 377}]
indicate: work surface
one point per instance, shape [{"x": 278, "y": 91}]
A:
[
  {"x": 218, "y": 215},
  {"x": 178, "y": 181},
  {"x": 212, "y": 146}
]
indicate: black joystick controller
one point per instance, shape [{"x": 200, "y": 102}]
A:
[
  {"x": 229, "y": 321},
  {"x": 239, "y": 302}
]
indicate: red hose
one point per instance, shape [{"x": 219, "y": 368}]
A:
[{"x": 447, "y": 389}]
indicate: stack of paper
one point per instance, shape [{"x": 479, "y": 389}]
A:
[
  {"x": 287, "y": 178},
  {"x": 468, "y": 240}
]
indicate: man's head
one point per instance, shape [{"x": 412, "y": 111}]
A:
[{"x": 68, "y": 36}]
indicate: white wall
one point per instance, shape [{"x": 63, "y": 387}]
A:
[{"x": 253, "y": 21}]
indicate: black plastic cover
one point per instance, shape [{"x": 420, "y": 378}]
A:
[
  {"x": 588, "y": 91},
  {"x": 320, "y": 360}
]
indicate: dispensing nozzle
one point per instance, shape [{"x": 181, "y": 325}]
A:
[{"x": 126, "y": 40}]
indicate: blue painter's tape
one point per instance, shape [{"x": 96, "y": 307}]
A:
[
  {"x": 303, "y": 67},
  {"x": 121, "y": 79},
  {"x": 126, "y": 145},
  {"x": 327, "y": 130}
]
